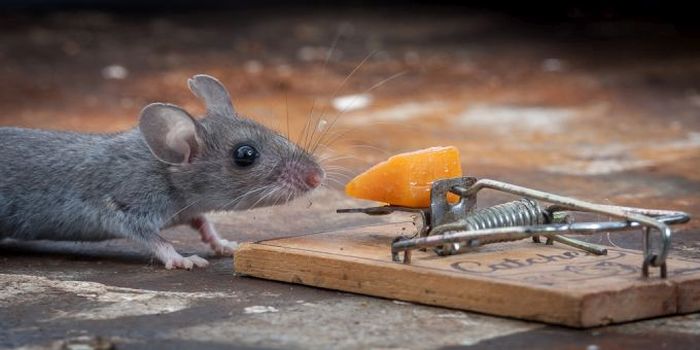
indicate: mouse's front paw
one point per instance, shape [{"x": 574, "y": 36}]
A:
[
  {"x": 224, "y": 247},
  {"x": 186, "y": 263}
]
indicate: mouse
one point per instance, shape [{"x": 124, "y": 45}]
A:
[{"x": 171, "y": 169}]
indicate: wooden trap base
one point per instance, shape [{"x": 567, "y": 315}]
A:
[{"x": 553, "y": 284}]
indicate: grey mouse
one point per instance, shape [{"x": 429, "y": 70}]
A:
[{"x": 170, "y": 170}]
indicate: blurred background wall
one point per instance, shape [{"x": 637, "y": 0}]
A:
[{"x": 599, "y": 99}]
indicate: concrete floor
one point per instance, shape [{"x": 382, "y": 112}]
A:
[{"x": 608, "y": 111}]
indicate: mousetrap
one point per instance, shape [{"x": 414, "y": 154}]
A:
[{"x": 512, "y": 259}]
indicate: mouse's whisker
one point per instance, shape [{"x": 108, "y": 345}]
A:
[
  {"x": 311, "y": 118},
  {"x": 316, "y": 121},
  {"x": 340, "y": 183},
  {"x": 277, "y": 200},
  {"x": 337, "y": 167},
  {"x": 338, "y": 175},
  {"x": 342, "y": 134},
  {"x": 240, "y": 199},
  {"x": 334, "y": 163},
  {"x": 371, "y": 148},
  {"x": 290, "y": 195},
  {"x": 340, "y": 172},
  {"x": 331, "y": 138},
  {"x": 183, "y": 209},
  {"x": 338, "y": 135},
  {"x": 286, "y": 107},
  {"x": 332, "y": 156},
  {"x": 284, "y": 195},
  {"x": 279, "y": 191},
  {"x": 337, "y": 116},
  {"x": 264, "y": 197}
]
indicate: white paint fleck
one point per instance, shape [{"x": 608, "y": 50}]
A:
[
  {"x": 411, "y": 57},
  {"x": 352, "y": 102},
  {"x": 693, "y": 97},
  {"x": 507, "y": 119},
  {"x": 398, "y": 113},
  {"x": 115, "y": 71},
  {"x": 597, "y": 166},
  {"x": 253, "y": 67},
  {"x": 284, "y": 70},
  {"x": 552, "y": 65},
  {"x": 317, "y": 53},
  {"x": 259, "y": 309},
  {"x": 692, "y": 140},
  {"x": 321, "y": 125}
]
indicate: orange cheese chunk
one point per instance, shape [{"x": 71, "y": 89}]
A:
[{"x": 405, "y": 179}]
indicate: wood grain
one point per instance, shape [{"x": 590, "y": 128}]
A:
[{"x": 553, "y": 284}]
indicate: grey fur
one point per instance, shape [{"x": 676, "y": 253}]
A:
[{"x": 87, "y": 187}]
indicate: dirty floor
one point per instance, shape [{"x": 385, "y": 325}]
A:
[{"x": 605, "y": 110}]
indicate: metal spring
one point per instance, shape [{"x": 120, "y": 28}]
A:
[{"x": 523, "y": 212}]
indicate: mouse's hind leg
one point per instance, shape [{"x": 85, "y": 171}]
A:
[
  {"x": 210, "y": 236},
  {"x": 166, "y": 253}
]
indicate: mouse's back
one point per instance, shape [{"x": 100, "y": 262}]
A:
[
  {"x": 56, "y": 185},
  {"x": 37, "y": 172}
]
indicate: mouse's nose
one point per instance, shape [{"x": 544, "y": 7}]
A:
[{"x": 313, "y": 178}]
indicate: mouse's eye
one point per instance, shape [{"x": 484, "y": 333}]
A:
[{"x": 245, "y": 155}]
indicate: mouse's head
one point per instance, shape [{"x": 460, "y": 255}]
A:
[{"x": 225, "y": 161}]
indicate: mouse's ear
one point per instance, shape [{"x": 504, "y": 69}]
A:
[
  {"x": 213, "y": 93},
  {"x": 170, "y": 132}
]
